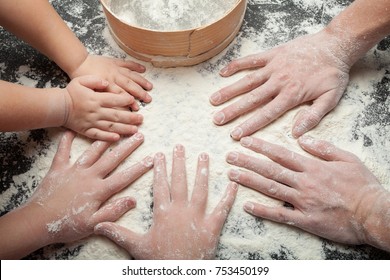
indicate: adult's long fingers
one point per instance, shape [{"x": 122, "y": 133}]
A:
[
  {"x": 246, "y": 84},
  {"x": 245, "y": 104},
  {"x": 325, "y": 150},
  {"x": 309, "y": 118},
  {"x": 263, "y": 185},
  {"x": 276, "y": 153},
  {"x": 263, "y": 116},
  {"x": 266, "y": 168},
  {"x": 248, "y": 62}
]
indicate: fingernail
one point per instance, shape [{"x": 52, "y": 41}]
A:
[
  {"x": 216, "y": 97},
  {"x": 203, "y": 157},
  {"x": 234, "y": 174},
  {"x": 138, "y": 136},
  {"x": 179, "y": 150},
  {"x": 232, "y": 157},
  {"x": 234, "y": 186},
  {"x": 306, "y": 140},
  {"x": 246, "y": 141},
  {"x": 224, "y": 71},
  {"x": 159, "y": 156},
  {"x": 299, "y": 129},
  {"x": 237, "y": 133},
  {"x": 249, "y": 206},
  {"x": 148, "y": 161},
  {"x": 219, "y": 118}
]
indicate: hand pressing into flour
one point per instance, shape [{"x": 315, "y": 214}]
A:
[
  {"x": 306, "y": 69},
  {"x": 181, "y": 228},
  {"x": 311, "y": 69},
  {"x": 122, "y": 75},
  {"x": 332, "y": 194},
  {"x": 96, "y": 114},
  {"x": 72, "y": 198}
]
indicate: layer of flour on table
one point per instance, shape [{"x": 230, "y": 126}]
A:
[{"x": 170, "y": 15}]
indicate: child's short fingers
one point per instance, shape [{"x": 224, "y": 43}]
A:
[
  {"x": 131, "y": 65},
  {"x": 93, "y": 82},
  {"x": 161, "y": 193},
  {"x": 179, "y": 176},
  {"x": 114, "y": 100},
  {"x": 222, "y": 210},
  {"x": 63, "y": 150},
  {"x": 119, "y": 116},
  {"x": 119, "y": 180},
  {"x": 135, "y": 89},
  {"x": 200, "y": 192},
  {"x": 109, "y": 161},
  {"x": 113, "y": 210}
]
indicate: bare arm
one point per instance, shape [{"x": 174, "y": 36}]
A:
[
  {"x": 38, "y": 24},
  {"x": 23, "y": 108}
]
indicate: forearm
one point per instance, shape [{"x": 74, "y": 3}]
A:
[
  {"x": 21, "y": 233},
  {"x": 24, "y": 108},
  {"x": 38, "y": 24},
  {"x": 359, "y": 27}
]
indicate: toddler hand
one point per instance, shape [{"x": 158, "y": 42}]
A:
[
  {"x": 181, "y": 228},
  {"x": 97, "y": 114},
  {"x": 122, "y": 76}
]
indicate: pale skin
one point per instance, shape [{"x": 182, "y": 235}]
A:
[
  {"x": 181, "y": 228},
  {"x": 310, "y": 69},
  {"x": 73, "y": 197},
  {"x": 118, "y": 76},
  {"x": 333, "y": 195}
]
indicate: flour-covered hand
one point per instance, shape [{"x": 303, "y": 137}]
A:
[
  {"x": 122, "y": 75},
  {"x": 96, "y": 114},
  {"x": 75, "y": 197},
  {"x": 181, "y": 227},
  {"x": 311, "y": 68},
  {"x": 332, "y": 195}
]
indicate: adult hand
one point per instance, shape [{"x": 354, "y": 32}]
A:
[
  {"x": 181, "y": 228},
  {"x": 311, "y": 68},
  {"x": 332, "y": 195},
  {"x": 122, "y": 75},
  {"x": 73, "y": 198},
  {"x": 97, "y": 114}
]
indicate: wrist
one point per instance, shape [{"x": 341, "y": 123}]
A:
[{"x": 374, "y": 218}]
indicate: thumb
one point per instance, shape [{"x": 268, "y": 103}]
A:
[
  {"x": 122, "y": 236},
  {"x": 113, "y": 210},
  {"x": 309, "y": 118},
  {"x": 93, "y": 82}
]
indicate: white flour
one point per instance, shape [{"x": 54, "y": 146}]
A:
[
  {"x": 170, "y": 15},
  {"x": 181, "y": 113}
]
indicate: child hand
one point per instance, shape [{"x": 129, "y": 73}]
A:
[
  {"x": 97, "y": 114},
  {"x": 119, "y": 73},
  {"x": 181, "y": 228},
  {"x": 73, "y": 198}
]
